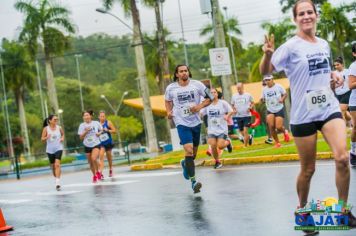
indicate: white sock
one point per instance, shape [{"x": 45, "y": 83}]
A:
[
  {"x": 58, "y": 182},
  {"x": 353, "y": 147}
]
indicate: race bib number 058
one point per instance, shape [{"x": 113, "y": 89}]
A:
[{"x": 318, "y": 99}]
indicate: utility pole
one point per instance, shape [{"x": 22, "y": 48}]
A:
[
  {"x": 9, "y": 138},
  {"x": 142, "y": 75},
  {"x": 231, "y": 46},
  {"x": 183, "y": 37},
  {"x": 164, "y": 75},
  {"x": 40, "y": 90},
  {"x": 219, "y": 38},
  {"x": 79, "y": 80}
]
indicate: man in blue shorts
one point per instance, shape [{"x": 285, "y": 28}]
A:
[{"x": 183, "y": 103}]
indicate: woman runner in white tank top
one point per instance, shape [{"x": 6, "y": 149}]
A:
[
  {"x": 305, "y": 59},
  {"x": 54, "y": 136}
]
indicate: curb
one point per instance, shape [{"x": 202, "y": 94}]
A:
[
  {"x": 265, "y": 159},
  {"x": 147, "y": 167},
  {"x": 238, "y": 161}
]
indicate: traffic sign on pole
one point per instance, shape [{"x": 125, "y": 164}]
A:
[{"x": 220, "y": 61}]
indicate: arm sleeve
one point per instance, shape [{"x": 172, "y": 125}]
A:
[
  {"x": 227, "y": 107},
  {"x": 280, "y": 58},
  {"x": 168, "y": 95},
  {"x": 282, "y": 90},
  {"x": 352, "y": 69},
  {"x": 203, "y": 111},
  {"x": 80, "y": 129}
]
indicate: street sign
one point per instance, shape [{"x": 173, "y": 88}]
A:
[{"x": 220, "y": 61}]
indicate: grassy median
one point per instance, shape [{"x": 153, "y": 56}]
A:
[{"x": 258, "y": 148}]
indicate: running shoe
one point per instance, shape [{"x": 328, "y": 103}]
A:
[
  {"x": 196, "y": 186},
  {"x": 185, "y": 172},
  {"x": 250, "y": 139},
  {"x": 302, "y": 220},
  {"x": 101, "y": 176},
  {"x": 58, "y": 185},
  {"x": 110, "y": 173},
  {"x": 277, "y": 145},
  {"x": 353, "y": 159},
  {"x": 351, "y": 220},
  {"x": 242, "y": 140},
  {"x": 95, "y": 179},
  {"x": 269, "y": 141},
  {"x": 208, "y": 153},
  {"x": 98, "y": 175},
  {"x": 218, "y": 165},
  {"x": 229, "y": 146},
  {"x": 286, "y": 136}
]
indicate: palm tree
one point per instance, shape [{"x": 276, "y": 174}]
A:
[
  {"x": 130, "y": 8},
  {"x": 234, "y": 31},
  {"x": 19, "y": 76},
  {"x": 282, "y": 30},
  {"x": 42, "y": 20},
  {"x": 336, "y": 27},
  {"x": 288, "y": 4}
]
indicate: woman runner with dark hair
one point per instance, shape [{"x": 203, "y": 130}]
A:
[{"x": 53, "y": 135}]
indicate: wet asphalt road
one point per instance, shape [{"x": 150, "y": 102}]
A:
[{"x": 243, "y": 200}]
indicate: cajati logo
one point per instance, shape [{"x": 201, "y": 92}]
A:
[{"x": 327, "y": 214}]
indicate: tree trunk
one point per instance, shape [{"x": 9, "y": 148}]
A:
[
  {"x": 51, "y": 86},
  {"x": 23, "y": 123},
  {"x": 141, "y": 70},
  {"x": 219, "y": 37},
  {"x": 164, "y": 75}
]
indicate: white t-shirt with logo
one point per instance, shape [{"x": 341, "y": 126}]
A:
[
  {"x": 272, "y": 96},
  {"x": 345, "y": 87},
  {"x": 54, "y": 143},
  {"x": 217, "y": 125},
  {"x": 352, "y": 71},
  {"x": 90, "y": 139},
  {"x": 183, "y": 98},
  {"x": 242, "y": 103},
  {"x": 307, "y": 66}
]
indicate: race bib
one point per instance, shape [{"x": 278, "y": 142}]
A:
[
  {"x": 241, "y": 101},
  {"x": 215, "y": 122},
  {"x": 318, "y": 99},
  {"x": 53, "y": 138},
  {"x": 90, "y": 141},
  {"x": 185, "y": 111},
  {"x": 272, "y": 102},
  {"x": 103, "y": 137}
]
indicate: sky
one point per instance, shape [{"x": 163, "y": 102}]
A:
[{"x": 250, "y": 14}]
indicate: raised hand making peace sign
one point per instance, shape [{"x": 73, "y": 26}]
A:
[{"x": 268, "y": 46}]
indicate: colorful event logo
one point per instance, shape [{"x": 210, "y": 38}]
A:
[{"x": 327, "y": 214}]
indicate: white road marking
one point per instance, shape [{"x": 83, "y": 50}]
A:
[
  {"x": 150, "y": 174},
  {"x": 15, "y": 201},
  {"x": 98, "y": 184}
]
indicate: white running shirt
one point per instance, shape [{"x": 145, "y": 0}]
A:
[
  {"x": 272, "y": 96},
  {"x": 183, "y": 98},
  {"x": 307, "y": 66},
  {"x": 53, "y": 142},
  {"x": 352, "y": 71},
  {"x": 242, "y": 104},
  {"x": 217, "y": 125},
  {"x": 345, "y": 87},
  {"x": 90, "y": 139}
]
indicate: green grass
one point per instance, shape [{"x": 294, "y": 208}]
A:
[
  {"x": 259, "y": 148},
  {"x": 5, "y": 163},
  {"x": 44, "y": 163}
]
